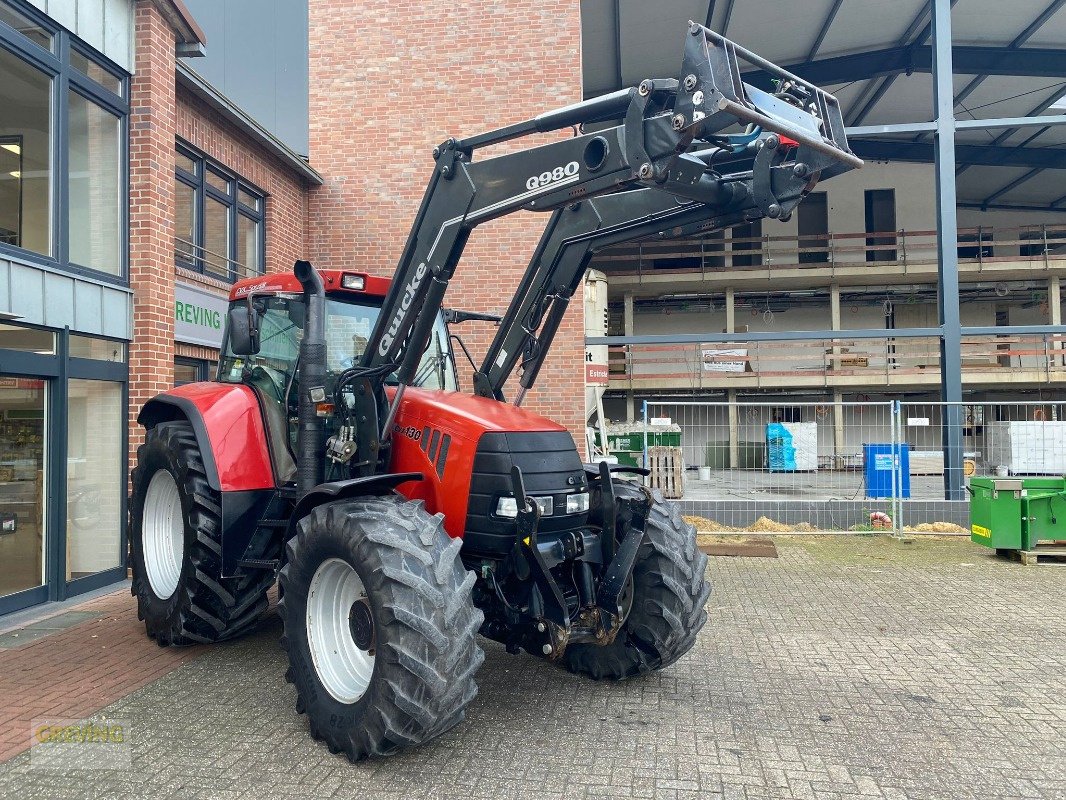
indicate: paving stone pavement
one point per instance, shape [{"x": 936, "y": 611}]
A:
[{"x": 846, "y": 668}]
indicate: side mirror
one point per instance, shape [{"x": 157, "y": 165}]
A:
[{"x": 244, "y": 330}]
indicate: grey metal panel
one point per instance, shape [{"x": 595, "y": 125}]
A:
[
  {"x": 118, "y": 32},
  {"x": 65, "y": 12},
  {"x": 106, "y": 25},
  {"x": 88, "y": 306},
  {"x": 257, "y": 57},
  {"x": 45, "y": 295},
  {"x": 291, "y": 76},
  {"x": 91, "y": 22},
  {"x": 5, "y": 285},
  {"x": 59, "y": 300},
  {"x": 117, "y": 313},
  {"x": 27, "y": 293}
]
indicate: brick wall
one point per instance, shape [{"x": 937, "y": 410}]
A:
[
  {"x": 153, "y": 114},
  {"x": 389, "y": 81},
  {"x": 161, "y": 113}
]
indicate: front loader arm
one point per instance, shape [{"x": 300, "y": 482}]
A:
[
  {"x": 660, "y": 121},
  {"x": 573, "y": 235}
]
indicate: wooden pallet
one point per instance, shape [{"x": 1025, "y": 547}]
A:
[
  {"x": 1043, "y": 554},
  {"x": 667, "y": 467}
]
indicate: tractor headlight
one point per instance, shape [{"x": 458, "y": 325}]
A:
[
  {"x": 357, "y": 282},
  {"x": 508, "y": 507},
  {"x": 577, "y": 503}
]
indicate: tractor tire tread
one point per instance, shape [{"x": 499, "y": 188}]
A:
[
  {"x": 669, "y": 605},
  {"x": 205, "y": 607},
  {"x": 427, "y": 651}
]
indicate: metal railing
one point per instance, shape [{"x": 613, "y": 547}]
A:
[
  {"x": 1041, "y": 246},
  {"x": 836, "y": 362},
  {"x": 849, "y": 466},
  {"x": 191, "y": 256}
]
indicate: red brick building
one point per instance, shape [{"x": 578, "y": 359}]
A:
[{"x": 378, "y": 110}]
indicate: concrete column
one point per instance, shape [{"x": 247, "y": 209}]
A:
[
  {"x": 731, "y": 394},
  {"x": 834, "y": 320},
  {"x": 838, "y": 424},
  {"x": 1054, "y": 307},
  {"x": 627, "y": 329},
  {"x": 1054, "y": 301},
  {"x": 734, "y": 429}
]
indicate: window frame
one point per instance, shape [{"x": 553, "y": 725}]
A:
[
  {"x": 203, "y": 366},
  {"x": 203, "y": 190},
  {"x": 65, "y": 79}
]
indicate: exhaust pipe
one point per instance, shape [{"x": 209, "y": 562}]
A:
[{"x": 310, "y": 445}]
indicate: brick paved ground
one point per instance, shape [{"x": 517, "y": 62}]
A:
[
  {"x": 78, "y": 670},
  {"x": 845, "y": 668}
]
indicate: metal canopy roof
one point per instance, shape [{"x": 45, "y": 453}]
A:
[{"x": 875, "y": 55}]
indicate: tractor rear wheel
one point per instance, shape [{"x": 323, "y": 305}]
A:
[
  {"x": 176, "y": 547},
  {"x": 669, "y": 593},
  {"x": 379, "y": 623}
]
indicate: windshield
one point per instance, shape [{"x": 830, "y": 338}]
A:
[{"x": 348, "y": 327}]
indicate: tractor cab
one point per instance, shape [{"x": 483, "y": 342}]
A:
[{"x": 261, "y": 349}]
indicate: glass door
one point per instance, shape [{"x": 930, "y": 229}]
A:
[{"x": 23, "y": 427}]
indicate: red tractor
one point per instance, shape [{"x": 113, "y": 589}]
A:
[{"x": 402, "y": 517}]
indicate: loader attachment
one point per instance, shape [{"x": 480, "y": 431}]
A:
[{"x": 712, "y": 99}]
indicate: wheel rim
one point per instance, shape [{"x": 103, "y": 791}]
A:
[
  {"x": 340, "y": 630},
  {"x": 163, "y": 534}
]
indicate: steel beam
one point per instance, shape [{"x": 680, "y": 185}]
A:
[
  {"x": 908, "y": 39},
  {"x": 1047, "y": 120},
  {"x": 765, "y": 336},
  {"x": 947, "y": 237},
  {"x": 728, "y": 15},
  {"x": 827, "y": 23},
  {"x": 717, "y": 337},
  {"x": 1038, "y": 62},
  {"x": 980, "y": 155},
  {"x": 1060, "y": 208},
  {"x": 887, "y": 130}
]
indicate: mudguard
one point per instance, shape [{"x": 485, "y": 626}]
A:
[
  {"x": 229, "y": 429},
  {"x": 338, "y": 490}
]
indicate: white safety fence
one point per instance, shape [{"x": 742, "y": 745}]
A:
[{"x": 899, "y": 466}]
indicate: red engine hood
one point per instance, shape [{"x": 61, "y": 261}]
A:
[{"x": 479, "y": 413}]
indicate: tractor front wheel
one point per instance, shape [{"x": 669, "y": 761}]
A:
[
  {"x": 379, "y": 623},
  {"x": 670, "y": 590}
]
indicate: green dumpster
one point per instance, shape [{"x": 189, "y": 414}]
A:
[{"x": 1017, "y": 513}]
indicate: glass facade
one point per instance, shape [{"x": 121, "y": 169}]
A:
[
  {"x": 95, "y": 463},
  {"x": 63, "y": 440},
  {"x": 96, "y": 195},
  {"x": 64, "y": 193},
  {"x": 23, "y": 428},
  {"x": 63, "y": 143},
  {"x": 25, "y": 155}
]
